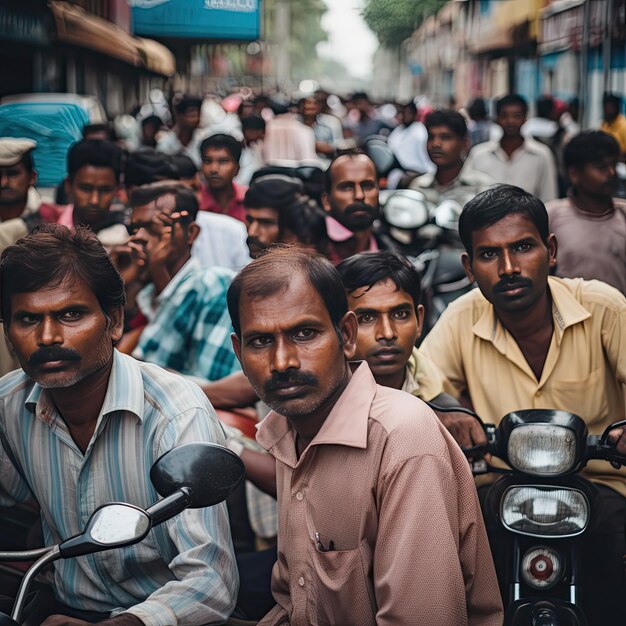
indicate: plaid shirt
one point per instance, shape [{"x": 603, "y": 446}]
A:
[{"x": 189, "y": 327}]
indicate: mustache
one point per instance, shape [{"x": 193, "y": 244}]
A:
[
  {"x": 253, "y": 241},
  {"x": 355, "y": 207},
  {"x": 54, "y": 353},
  {"x": 509, "y": 283},
  {"x": 288, "y": 379}
]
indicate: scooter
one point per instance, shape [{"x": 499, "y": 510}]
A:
[
  {"x": 543, "y": 505},
  {"x": 193, "y": 475}
]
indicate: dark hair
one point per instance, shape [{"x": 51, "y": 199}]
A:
[
  {"x": 184, "y": 197},
  {"x": 148, "y": 165},
  {"x": 306, "y": 220},
  {"x": 51, "y": 253},
  {"x": 589, "y": 147},
  {"x": 187, "y": 102},
  {"x": 272, "y": 272},
  {"x": 350, "y": 152},
  {"x": 612, "y": 98},
  {"x": 495, "y": 203},
  {"x": 477, "y": 110},
  {"x": 545, "y": 107},
  {"x": 368, "y": 268},
  {"x": 360, "y": 95},
  {"x": 448, "y": 118},
  {"x": 153, "y": 119},
  {"x": 27, "y": 161},
  {"x": 221, "y": 141},
  {"x": 99, "y": 128},
  {"x": 96, "y": 153},
  {"x": 184, "y": 167},
  {"x": 511, "y": 99},
  {"x": 253, "y": 122},
  {"x": 275, "y": 191},
  {"x": 411, "y": 106}
]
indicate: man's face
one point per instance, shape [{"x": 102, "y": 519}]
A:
[
  {"x": 263, "y": 229},
  {"x": 353, "y": 197},
  {"x": 252, "y": 135},
  {"x": 362, "y": 105},
  {"x": 290, "y": 351},
  {"x": 310, "y": 107},
  {"x": 597, "y": 179},
  {"x": 218, "y": 168},
  {"x": 155, "y": 236},
  {"x": 389, "y": 326},
  {"x": 610, "y": 111},
  {"x": 189, "y": 118},
  {"x": 15, "y": 180},
  {"x": 511, "y": 264},
  {"x": 408, "y": 116},
  {"x": 60, "y": 334},
  {"x": 445, "y": 148},
  {"x": 511, "y": 118},
  {"x": 93, "y": 190}
]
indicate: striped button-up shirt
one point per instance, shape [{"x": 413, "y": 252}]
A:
[
  {"x": 184, "y": 572},
  {"x": 189, "y": 326}
]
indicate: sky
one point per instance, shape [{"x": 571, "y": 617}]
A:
[{"x": 351, "y": 42}]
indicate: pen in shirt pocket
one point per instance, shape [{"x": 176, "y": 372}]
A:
[{"x": 320, "y": 545}]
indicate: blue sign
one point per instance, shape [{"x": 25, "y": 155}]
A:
[{"x": 197, "y": 19}]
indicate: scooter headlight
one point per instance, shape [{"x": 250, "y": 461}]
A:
[
  {"x": 541, "y": 567},
  {"x": 542, "y": 449},
  {"x": 545, "y": 511}
]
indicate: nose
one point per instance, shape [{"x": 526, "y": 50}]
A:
[
  {"x": 508, "y": 265},
  {"x": 284, "y": 356},
  {"x": 50, "y": 332},
  {"x": 358, "y": 192},
  {"x": 385, "y": 329},
  {"x": 4, "y": 180},
  {"x": 94, "y": 197},
  {"x": 253, "y": 229}
]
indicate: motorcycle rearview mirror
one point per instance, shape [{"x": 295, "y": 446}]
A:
[
  {"x": 112, "y": 525},
  {"x": 406, "y": 209},
  {"x": 207, "y": 471},
  {"x": 381, "y": 154}
]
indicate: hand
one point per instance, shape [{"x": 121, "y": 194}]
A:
[
  {"x": 63, "y": 620},
  {"x": 164, "y": 251},
  {"x": 466, "y": 430},
  {"x": 129, "y": 259},
  {"x": 618, "y": 437}
]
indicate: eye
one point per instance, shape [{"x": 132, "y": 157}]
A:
[
  {"x": 260, "y": 342},
  {"x": 71, "y": 316},
  {"x": 401, "y": 315},
  {"x": 523, "y": 247},
  {"x": 488, "y": 254},
  {"x": 27, "y": 319},
  {"x": 304, "y": 334},
  {"x": 365, "y": 318}
]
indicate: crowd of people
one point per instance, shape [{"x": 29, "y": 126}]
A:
[{"x": 225, "y": 277}]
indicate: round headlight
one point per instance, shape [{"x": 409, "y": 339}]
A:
[
  {"x": 542, "y": 449},
  {"x": 544, "y": 511},
  {"x": 541, "y": 567},
  {"x": 406, "y": 209}
]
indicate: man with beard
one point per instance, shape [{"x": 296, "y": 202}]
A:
[
  {"x": 351, "y": 204},
  {"x": 17, "y": 178},
  {"x": 369, "y": 482},
  {"x": 527, "y": 340},
  {"x": 514, "y": 159},
  {"x": 81, "y": 426},
  {"x": 590, "y": 223}
]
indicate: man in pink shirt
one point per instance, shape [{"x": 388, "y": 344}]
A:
[
  {"x": 220, "y": 164},
  {"x": 379, "y": 521}
]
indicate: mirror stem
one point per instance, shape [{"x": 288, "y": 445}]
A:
[{"x": 170, "y": 506}]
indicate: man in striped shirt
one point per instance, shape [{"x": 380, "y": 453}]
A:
[{"x": 82, "y": 424}]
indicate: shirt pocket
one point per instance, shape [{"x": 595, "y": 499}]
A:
[
  {"x": 342, "y": 590},
  {"x": 585, "y": 397}
]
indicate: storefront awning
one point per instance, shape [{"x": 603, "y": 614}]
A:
[{"x": 76, "y": 27}]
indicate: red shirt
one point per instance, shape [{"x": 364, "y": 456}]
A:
[{"x": 235, "y": 206}]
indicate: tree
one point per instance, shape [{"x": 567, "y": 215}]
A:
[{"x": 393, "y": 21}]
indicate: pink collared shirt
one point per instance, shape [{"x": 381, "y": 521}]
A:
[
  {"x": 341, "y": 237},
  {"x": 235, "y": 206}
]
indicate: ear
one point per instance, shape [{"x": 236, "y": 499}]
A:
[
  {"x": 552, "y": 250},
  {"x": 193, "y": 230},
  {"x": 467, "y": 266},
  {"x": 326, "y": 202},
  {"x": 419, "y": 312},
  {"x": 116, "y": 323},
  {"x": 574, "y": 175},
  {"x": 349, "y": 328},
  {"x": 237, "y": 348},
  {"x": 33, "y": 178}
]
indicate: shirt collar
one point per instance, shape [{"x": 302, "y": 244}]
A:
[
  {"x": 124, "y": 391},
  {"x": 566, "y": 312},
  {"x": 346, "y": 425},
  {"x": 411, "y": 384},
  {"x": 338, "y": 233}
]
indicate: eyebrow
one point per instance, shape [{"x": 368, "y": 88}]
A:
[
  {"x": 527, "y": 239},
  {"x": 398, "y": 307},
  {"x": 70, "y": 307},
  {"x": 305, "y": 323}
]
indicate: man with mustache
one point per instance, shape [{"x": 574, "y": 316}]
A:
[
  {"x": 447, "y": 147},
  {"x": 351, "y": 204},
  {"x": 590, "y": 223},
  {"x": 527, "y": 340},
  {"x": 369, "y": 482},
  {"x": 82, "y": 424},
  {"x": 220, "y": 164}
]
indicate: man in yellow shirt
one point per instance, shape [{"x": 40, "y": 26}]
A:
[
  {"x": 614, "y": 122},
  {"x": 527, "y": 340}
]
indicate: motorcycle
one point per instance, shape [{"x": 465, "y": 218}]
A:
[
  {"x": 427, "y": 234},
  {"x": 193, "y": 475},
  {"x": 542, "y": 505}
]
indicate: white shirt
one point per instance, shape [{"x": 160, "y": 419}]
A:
[
  {"x": 221, "y": 242},
  {"x": 408, "y": 144},
  {"x": 530, "y": 167}
]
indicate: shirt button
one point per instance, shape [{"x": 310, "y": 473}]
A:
[
  {"x": 301, "y": 581},
  {"x": 299, "y": 496},
  {"x": 538, "y": 394}
]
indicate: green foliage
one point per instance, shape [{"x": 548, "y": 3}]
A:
[{"x": 393, "y": 21}]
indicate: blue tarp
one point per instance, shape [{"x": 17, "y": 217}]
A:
[
  {"x": 54, "y": 126},
  {"x": 197, "y": 19}
]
